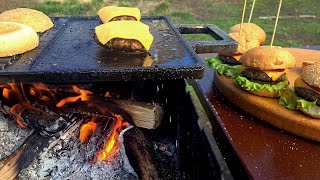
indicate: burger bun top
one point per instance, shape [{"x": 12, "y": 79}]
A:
[
  {"x": 30, "y": 17},
  {"x": 250, "y": 30},
  {"x": 16, "y": 38},
  {"x": 311, "y": 74},
  {"x": 268, "y": 58},
  {"x": 244, "y": 43}
]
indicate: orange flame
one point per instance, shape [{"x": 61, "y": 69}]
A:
[
  {"x": 107, "y": 94},
  {"x": 12, "y": 90},
  {"x": 84, "y": 95},
  {"x": 111, "y": 144},
  {"x": 6, "y": 93},
  {"x": 87, "y": 130},
  {"x": 42, "y": 92}
]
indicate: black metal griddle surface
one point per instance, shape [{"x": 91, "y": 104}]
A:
[{"x": 69, "y": 53}]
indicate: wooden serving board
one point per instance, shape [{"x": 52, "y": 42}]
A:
[{"x": 268, "y": 109}]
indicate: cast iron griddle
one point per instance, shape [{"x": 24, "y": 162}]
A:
[{"x": 69, "y": 53}]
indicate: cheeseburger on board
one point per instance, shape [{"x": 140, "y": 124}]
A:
[{"x": 264, "y": 70}]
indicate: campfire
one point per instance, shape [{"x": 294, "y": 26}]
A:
[
  {"x": 143, "y": 130},
  {"x": 84, "y": 120}
]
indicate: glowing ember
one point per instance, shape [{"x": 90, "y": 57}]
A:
[
  {"x": 87, "y": 130},
  {"x": 111, "y": 144},
  {"x": 107, "y": 94},
  {"x": 84, "y": 95}
]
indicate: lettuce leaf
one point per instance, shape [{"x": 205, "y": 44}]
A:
[
  {"x": 292, "y": 101},
  {"x": 289, "y": 99},
  {"x": 224, "y": 69},
  {"x": 310, "y": 108},
  {"x": 306, "y": 104},
  {"x": 253, "y": 86}
]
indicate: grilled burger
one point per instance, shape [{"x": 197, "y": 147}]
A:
[
  {"x": 113, "y": 13},
  {"x": 131, "y": 37},
  {"x": 244, "y": 44},
  {"x": 307, "y": 87},
  {"x": 250, "y": 30},
  {"x": 264, "y": 70}
]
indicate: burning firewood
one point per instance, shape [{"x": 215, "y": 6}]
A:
[{"x": 137, "y": 148}]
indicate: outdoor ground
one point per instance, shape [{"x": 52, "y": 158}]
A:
[{"x": 298, "y": 26}]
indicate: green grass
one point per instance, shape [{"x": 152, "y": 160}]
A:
[
  {"x": 70, "y": 7},
  {"x": 224, "y": 14}
]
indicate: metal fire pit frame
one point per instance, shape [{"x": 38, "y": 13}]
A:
[
  {"x": 68, "y": 53},
  {"x": 223, "y": 42}
]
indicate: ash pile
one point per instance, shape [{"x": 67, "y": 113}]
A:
[{"x": 68, "y": 158}]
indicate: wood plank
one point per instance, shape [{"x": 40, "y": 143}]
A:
[{"x": 268, "y": 109}]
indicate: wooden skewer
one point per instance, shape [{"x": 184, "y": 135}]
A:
[
  {"x": 253, "y": 3},
  {"x": 276, "y": 23},
  {"x": 243, "y": 12}
]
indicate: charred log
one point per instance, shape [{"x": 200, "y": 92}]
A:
[{"x": 138, "y": 151}]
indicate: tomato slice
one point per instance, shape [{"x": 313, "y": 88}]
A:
[
  {"x": 316, "y": 89},
  {"x": 279, "y": 70},
  {"x": 229, "y": 54}
]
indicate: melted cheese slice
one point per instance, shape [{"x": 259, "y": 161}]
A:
[
  {"x": 237, "y": 57},
  {"x": 125, "y": 30},
  {"x": 109, "y": 12},
  {"x": 300, "y": 83},
  {"x": 274, "y": 75}
]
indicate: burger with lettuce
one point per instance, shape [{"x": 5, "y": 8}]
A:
[
  {"x": 307, "y": 88},
  {"x": 263, "y": 70},
  {"x": 227, "y": 63}
]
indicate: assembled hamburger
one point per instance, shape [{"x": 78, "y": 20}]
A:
[
  {"x": 307, "y": 88},
  {"x": 244, "y": 44},
  {"x": 263, "y": 70}
]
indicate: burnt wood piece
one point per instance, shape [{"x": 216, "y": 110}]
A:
[
  {"x": 137, "y": 149},
  {"x": 141, "y": 114},
  {"x": 36, "y": 142},
  {"x": 23, "y": 156},
  {"x": 144, "y": 115}
]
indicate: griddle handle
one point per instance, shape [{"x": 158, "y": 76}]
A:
[{"x": 222, "y": 43}]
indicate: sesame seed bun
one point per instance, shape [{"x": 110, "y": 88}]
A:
[
  {"x": 251, "y": 30},
  {"x": 16, "y": 39},
  {"x": 33, "y": 18},
  {"x": 311, "y": 74},
  {"x": 244, "y": 43},
  {"x": 268, "y": 58}
]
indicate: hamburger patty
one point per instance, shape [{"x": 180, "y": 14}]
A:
[
  {"x": 258, "y": 75},
  {"x": 307, "y": 94},
  {"x": 124, "y": 44},
  {"x": 119, "y": 44},
  {"x": 120, "y": 18},
  {"x": 228, "y": 59}
]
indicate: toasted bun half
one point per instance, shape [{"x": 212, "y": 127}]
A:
[
  {"x": 268, "y": 58},
  {"x": 265, "y": 93},
  {"x": 311, "y": 74},
  {"x": 251, "y": 30},
  {"x": 313, "y": 112},
  {"x": 244, "y": 43},
  {"x": 16, "y": 39},
  {"x": 33, "y": 18}
]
